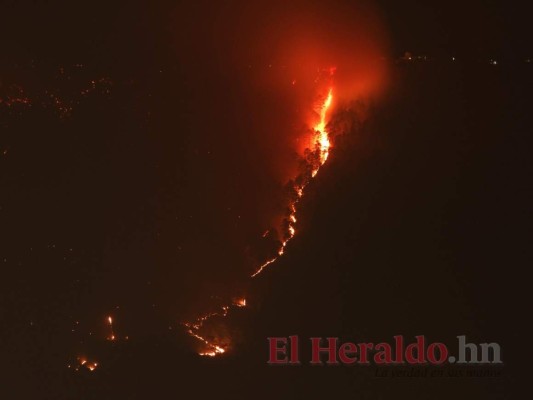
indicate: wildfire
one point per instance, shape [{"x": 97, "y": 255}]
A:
[{"x": 322, "y": 146}]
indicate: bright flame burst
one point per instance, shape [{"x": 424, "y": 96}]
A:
[
  {"x": 322, "y": 146},
  {"x": 323, "y": 137}
]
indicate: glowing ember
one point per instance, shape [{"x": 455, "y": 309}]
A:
[
  {"x": 322, "y": 146},
  {"x": 112, "y": 333},
  {"x": 215, "y": 349},
  {"x": 83, "y": 363}
]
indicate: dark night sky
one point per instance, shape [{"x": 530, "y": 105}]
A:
[
  {"x": 56, "y": 30},
  {"x": 146, "y": 200},
  {"x": 471, "y": 29}
]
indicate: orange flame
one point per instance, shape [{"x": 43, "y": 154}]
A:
[{"x": 323, "y": 137}]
